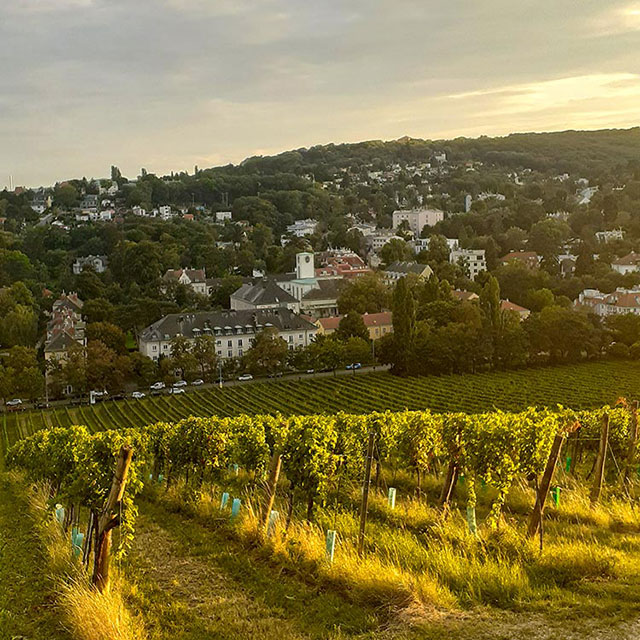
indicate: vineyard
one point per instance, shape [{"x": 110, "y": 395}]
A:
[
  {"x": 455, "y": 501},
  {"x": 576, "y": 386}
]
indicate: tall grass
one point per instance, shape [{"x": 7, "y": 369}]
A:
[
  {"x": 420, "y": 555},
  {"x": 88, "y": 614}
]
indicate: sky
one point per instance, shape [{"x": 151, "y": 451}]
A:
[{"x": 169, "y": 84}]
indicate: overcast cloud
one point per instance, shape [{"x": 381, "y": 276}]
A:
[{"x": 168, "y": 84}]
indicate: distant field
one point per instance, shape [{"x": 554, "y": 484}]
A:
[{"x": 576, "y": 386}]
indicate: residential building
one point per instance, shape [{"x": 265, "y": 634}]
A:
[
  {"x": 465, "y": 296},
  {"x": 417, "y": 219},
  {"x": 507, "y": 305},
  {"x": 195, "y": 279},
  {"x": 422, "y": 244},
  {"x": 529, "y": 259},
  {"x": 262, "y": 295},
  {"x": 610, "y": 236},
  {"x": 41, "y": 202},
  {"x": 233, "y": 331},
  {"x": 472, "y": 260},
  {"x": 223, "y": 216},
  {"x": 97, "y": 263},
  {"x": 341, "y": 263},
  {"x": 365, "y": 228},
  {"x": 627, "y": 264},
  {"x": 377, "y": 240},
  {"x": 164, "y": 212},
  {"x": 65, "y": 328},
  {"x": 89, "y": 202},
  {"x": 302, "y": 228},
  {"x": 398, "y": 270},
  {"x": 567, "y": 264},
  {"x": 621, "y": 301},
  {"x": 378, "y": 324}
]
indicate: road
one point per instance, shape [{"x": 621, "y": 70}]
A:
[{"x": 300, "y": 375}]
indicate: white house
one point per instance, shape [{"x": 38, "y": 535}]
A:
[
  {"x": 473, "y": 259},
  {"x": 627, "y": 264},
  {"x": 301, "y": 228},
  {"x": 417, "y": 219},
  {"x": 609, "y": 236},
  {"x": 195, "y": 279},
  {"x": 223, "y": 216},
  {"x": 97, "y": 263},
  {"x": 234, "y": 331},
  {"x": 377, "y": 240}
]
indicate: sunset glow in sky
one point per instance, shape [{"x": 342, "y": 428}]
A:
[{"x": 168, "y": 84}]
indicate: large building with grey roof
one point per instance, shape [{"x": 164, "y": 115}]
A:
[{"x": 233, "y": 331}]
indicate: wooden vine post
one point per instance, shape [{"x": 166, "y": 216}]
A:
[
  {"x": 449, "y": 483},
  {"x": 108, "y": 519},
  {"x": 272, "y": 483},
  {"x": 535, "y": 520},
  {"x": 598, "y": 479},
  {"x": 633, "y": 440},
  {"x": 365, "y": 492}
]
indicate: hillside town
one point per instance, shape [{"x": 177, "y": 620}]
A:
[{"x": 135, "y": 281}]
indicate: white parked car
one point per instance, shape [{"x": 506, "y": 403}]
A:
[
  {"x": 138, "y": 395},
  {"x": 156, "y": 386},
  {"x": 99, "y": 394},
  {"x": 180, "y": 383},
  {"x": 245, "y": 376},
  {"x": 198, "y": 382},
  {"x": 14, "y": 403},
  {"x": 174, "y": 390}
]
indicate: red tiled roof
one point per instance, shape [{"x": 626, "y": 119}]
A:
[{"x": 507, "y": 305}]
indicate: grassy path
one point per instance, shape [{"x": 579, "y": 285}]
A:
[
  {"x": 26, "y": 604},
  {"x": 193, "y": 582}
]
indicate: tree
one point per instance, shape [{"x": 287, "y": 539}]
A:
[
  {"x": 181, "y": 355},
  {"x": 404, "y": 326},
  {"x": 352, "y": 325},
  {"x": 66, "y": 196},
  {"x": 358, "y": 350},
  {"x": 109, "y": 334},
  {"x": 438, "y": 251},
  {"x": 204, "y": 352},
  {"x": 98, "y": 310},
  {"x": 396, "y": 250},
  {"x": 365, "y": 294},
  {"x": 268, "y": 354}
]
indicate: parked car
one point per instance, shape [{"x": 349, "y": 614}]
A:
[
  {"x": 175, "y": 390},
  {"x": 357, "y": 365},
  {"x": 99, "y": 394},
  {"x": 138, "y": 395},
  {"x": 16, "y": 402},
  {"x": 349, "y": 366},
  {"x": 244, "y": 377},
  {"x": 198, "y": 382},
  {"x": 156, "y": 386},
  {"x": 311, "y": 370},
  {"x": 180, "y": 383}
]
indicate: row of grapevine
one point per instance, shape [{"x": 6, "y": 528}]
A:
[
  {"x": 577, "y": 386},
  {"x": 318, "y": 452}
]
